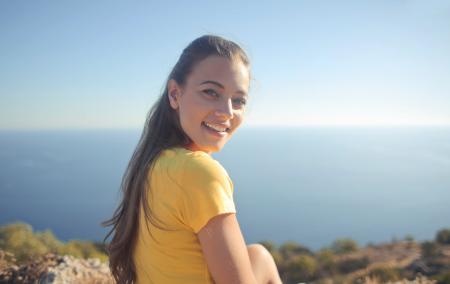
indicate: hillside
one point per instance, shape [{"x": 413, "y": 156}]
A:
[{"x": 39, "y": 257}]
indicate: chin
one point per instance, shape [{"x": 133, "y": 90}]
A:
[{"x": 213, "y": 148}]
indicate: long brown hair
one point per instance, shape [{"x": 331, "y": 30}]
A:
[{"x": 162, "y": 130}]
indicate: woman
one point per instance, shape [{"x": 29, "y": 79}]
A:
[{"x": 177, "y": 222}]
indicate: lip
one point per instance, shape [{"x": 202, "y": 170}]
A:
[
  {"x": 215, "y": 133},
  {"x": 221, "y": 125}
]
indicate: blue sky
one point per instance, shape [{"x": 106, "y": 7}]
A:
[{"x": 102, "y": 64}]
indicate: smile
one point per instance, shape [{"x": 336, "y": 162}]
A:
[{"x": 216, "y": 127}]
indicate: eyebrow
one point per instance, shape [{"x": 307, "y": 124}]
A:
[{"x": 221, "y": 86}]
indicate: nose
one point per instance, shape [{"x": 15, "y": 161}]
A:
[{"x": 225, "y": 109}]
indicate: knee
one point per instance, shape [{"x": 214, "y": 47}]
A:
[
  {"x": 263, "y": 264},
  {"x": 258, "y": 251}
]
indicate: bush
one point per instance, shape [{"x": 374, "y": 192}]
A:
[
  {"x": 82, "y": 249},
  {"x": 327, "y": 263},
  {"x": 347, "y": 245},
  {"x": 385, "y": 274},
  {"x": 443, "y": 278},
  {"x": 352, "y": 264},
  {"x": 301, "y": 268},
  {"x": 289, "y": 249},
  {"x": 443, "y": 236},
  {"x": 409, "y": 238},
  {"x": 49, "y": 240},
  {"x": 101, "y": 247},
  {"x": 430, "y": 249},
  {"x": 19, "y": 239}
]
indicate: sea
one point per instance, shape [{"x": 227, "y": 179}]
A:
[{"x": 310, "y": 185}]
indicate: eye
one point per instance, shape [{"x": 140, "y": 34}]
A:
[
  {"x": 211, "y": 93},
  {"x": 240, "y": 102}
]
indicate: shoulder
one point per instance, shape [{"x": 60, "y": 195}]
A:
[
  {"x": 200, "y": 162},
  {"x": 205, "y": 189},
  {"x": 197, "y": 167}
]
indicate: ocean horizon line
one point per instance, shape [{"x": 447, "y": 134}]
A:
[{"x": 270, "y": 126}]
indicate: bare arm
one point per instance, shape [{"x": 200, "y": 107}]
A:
[{"x": 225, "y": 250}]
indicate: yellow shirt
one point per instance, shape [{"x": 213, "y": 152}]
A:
[{"x": 186, "y": 190}]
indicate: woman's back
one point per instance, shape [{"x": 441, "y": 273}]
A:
[{"x": 187, "y": 188}]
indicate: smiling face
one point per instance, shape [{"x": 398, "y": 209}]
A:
[{"x": 212, "y": 101}]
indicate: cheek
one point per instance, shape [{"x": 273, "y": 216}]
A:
[
  {"x": 190, "y": 115},
  {"x": 238, "y": 118}
]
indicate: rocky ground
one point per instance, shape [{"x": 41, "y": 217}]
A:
[
  {"x": 54, "y": 269},
  {"x": 402, "y": 255}
]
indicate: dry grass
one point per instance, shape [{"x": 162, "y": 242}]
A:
[{"x": 418, "y": 280}]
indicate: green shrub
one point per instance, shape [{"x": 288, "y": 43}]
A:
[
  {"x": 347, "y": 245},
  {"x": 430, "y": 249},
  {"x": 82, "y": 249},
  {"x": 101, "y": 247},
  {"x": 352, "y": 264},
  {"x": 442, "y": 278},
  {"x": 301, "y": 268},
  {"x": 49, "y": 240},
  {"x": 327, "y": 262},
  {"x": 409, "y": 238},
  {"x": 290, "y": 248},
  {"x": 18, "y": 238},
  {"x": 385, "y": 274},
  {"x": 443, "y": 236}
]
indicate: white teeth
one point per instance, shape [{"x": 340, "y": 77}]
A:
[{"x": 216, "y": 128}]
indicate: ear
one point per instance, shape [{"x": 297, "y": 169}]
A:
[{"x": 174, "y": 92}]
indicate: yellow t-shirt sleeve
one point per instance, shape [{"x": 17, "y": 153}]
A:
[{"x": 207, "y": 191}]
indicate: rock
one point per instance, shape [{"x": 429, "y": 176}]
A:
[
  {"x": 56, "y": 269},
  {"x": 419, "y": 266}
]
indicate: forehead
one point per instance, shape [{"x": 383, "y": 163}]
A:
[{"x": 230, "y": 73}]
